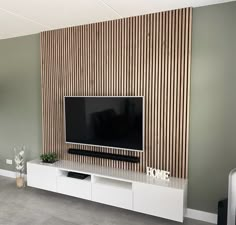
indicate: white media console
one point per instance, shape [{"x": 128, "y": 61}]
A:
[{"x": 116, "y": 187}]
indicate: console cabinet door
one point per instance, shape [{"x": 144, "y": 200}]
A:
[
  {"x": 112, "y": 195},
  {"x": 74, "y": 187},
  {"x": 158, "y": 201},
  {"x": 42, "y": 177}
]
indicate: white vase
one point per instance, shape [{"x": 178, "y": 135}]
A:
[{"x": 20, "y": 180}]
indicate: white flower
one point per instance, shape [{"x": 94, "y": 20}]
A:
[
  {"x": 20, "y": 167},
  {"x": 19, "y": 160},
  {"x": 22, "y": 153}
]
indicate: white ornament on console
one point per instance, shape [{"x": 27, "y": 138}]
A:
[{"x": 156, "y": 173}]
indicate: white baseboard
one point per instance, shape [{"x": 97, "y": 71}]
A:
[
  {"x": 201, "y": 215},
  {"x": 7, "y": 173},
  {"x": 190, "y": 213}
]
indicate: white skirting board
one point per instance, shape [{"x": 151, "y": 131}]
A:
[
  {"x": 201, "y": 215},
  {"x": 190, "y": 213},
  {"x": 7, "y": 173}
]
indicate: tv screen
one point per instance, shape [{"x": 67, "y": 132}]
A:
[{"x": 115, "y": 122}]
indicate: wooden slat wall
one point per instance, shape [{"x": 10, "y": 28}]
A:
[{"x": 145, "y": 55}]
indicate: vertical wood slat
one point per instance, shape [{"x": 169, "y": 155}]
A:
[{"x": 147, "y": 56}]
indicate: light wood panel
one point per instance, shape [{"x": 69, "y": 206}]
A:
[{"x": 146, "y": 55}]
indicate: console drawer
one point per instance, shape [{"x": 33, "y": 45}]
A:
[
  {"x": 74, "y": 187},
  {"x": 111, "y": 192},
  {"x": 159, "y": 201},
  {"x": 42, "y": 177}
]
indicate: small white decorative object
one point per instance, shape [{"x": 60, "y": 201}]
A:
[
  {"x": 20, "y": 166},
  {"x": 160, "y": 174}
]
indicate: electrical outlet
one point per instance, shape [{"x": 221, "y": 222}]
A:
[{"x": 9, "y": 161}]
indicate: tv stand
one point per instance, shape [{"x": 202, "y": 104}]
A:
[{"x": 116, "y": 187}]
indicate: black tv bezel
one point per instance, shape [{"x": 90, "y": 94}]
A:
[{"x": 109, "y": 147}]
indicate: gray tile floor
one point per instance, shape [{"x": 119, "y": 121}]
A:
[{"x": 36, "y": 207}]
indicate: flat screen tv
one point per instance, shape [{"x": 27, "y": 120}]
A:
[{"x": 115, "y": 122}]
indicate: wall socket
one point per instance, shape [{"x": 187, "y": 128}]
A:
[{"x": 9, "y": 161}]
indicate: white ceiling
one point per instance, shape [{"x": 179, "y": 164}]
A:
[{"x": 23, "y": 17}]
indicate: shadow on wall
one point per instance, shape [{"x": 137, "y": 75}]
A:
[
  {"x": 1, "y": 96},
  {"x": 20, "y": 97},
  {"x": 2, "y": 103}
]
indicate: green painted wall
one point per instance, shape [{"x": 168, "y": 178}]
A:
[
  {"x": 212, "y": 112},
  {"x": 213, "y": 105},
  {"x": 20, "y": 97}
]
